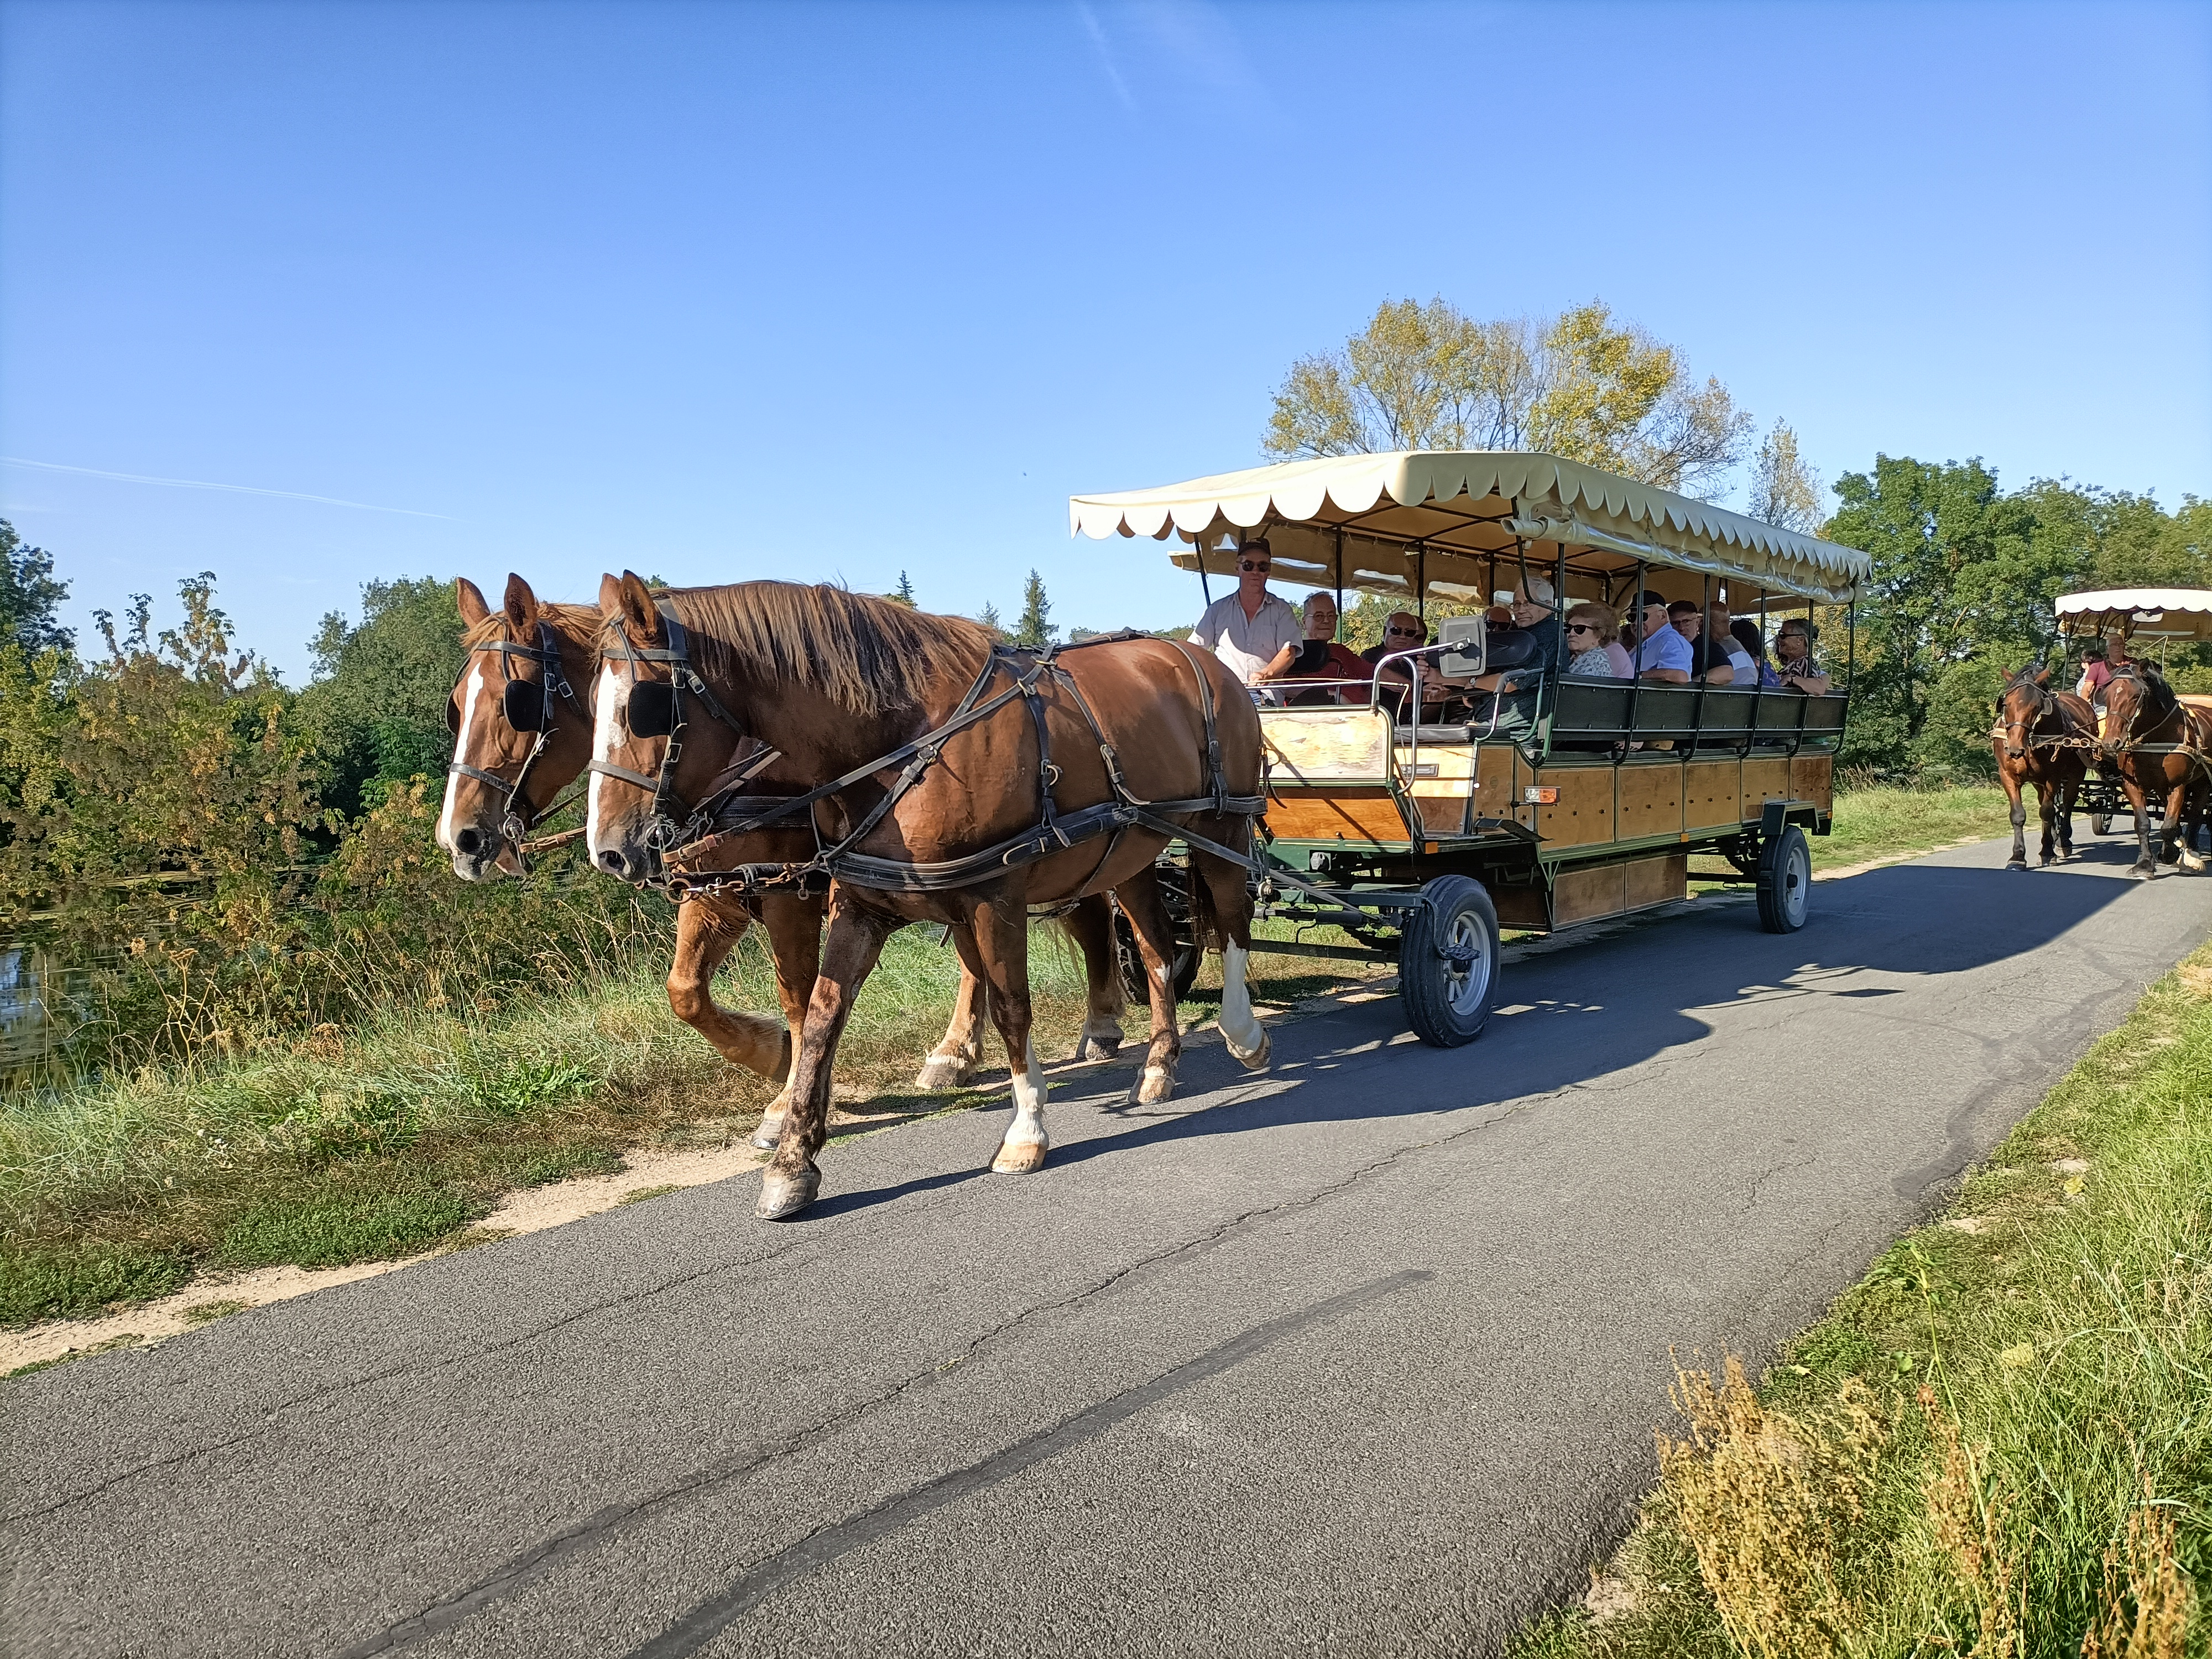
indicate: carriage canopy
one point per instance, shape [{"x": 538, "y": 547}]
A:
[
  {"x": 1462, "y": 524},
  {"x": 2146, "y": 613}
]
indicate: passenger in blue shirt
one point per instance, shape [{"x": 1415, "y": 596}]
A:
[{"x": 1664, "y": 657}]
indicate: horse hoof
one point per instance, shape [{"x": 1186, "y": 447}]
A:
[
  {"x": 1098, "y": 1048},
  {"x": 1027, "y": 1159},
  {"x": 2142, "y": 872},
  {"x": 2190, "y": 862},
  {"x": 1153, "y": 1086},
  {"x": 769, "y": 1134},
  {"x": 2017, "y": 864},
  {"x": 942, "y": 1072},
  {"x": 783, "y": 1196},
  {"x": 1256, "y": 1059}
]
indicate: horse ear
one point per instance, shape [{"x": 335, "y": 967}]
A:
[
  {"x": 2043, "y": 674},
  {"x": 471, "y": 600},
  {"x": 2006, "y": 673},
  {"x": 521, "y": 603},
  {"x": 639, "y": 612}
]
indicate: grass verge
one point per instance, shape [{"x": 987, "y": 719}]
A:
[
  {"x": 1884, "y": 822},
  {"x": 1999, "y": 1442}
]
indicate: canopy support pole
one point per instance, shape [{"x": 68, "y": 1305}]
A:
[
  {"x": 1339, "y": 581},
  {"x": 1204, "y": 587}
]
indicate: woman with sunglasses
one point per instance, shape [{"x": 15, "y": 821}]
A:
[
  {"x": 1589, "y": 636},
  {"x": 1255, "y": 634}
]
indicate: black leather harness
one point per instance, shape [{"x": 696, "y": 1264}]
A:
[
  {"x": 520, "y": 816},
  {"x": 733, "y": 814}
]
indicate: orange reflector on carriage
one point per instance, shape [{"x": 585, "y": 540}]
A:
[{"x": 1545, "y": 797}]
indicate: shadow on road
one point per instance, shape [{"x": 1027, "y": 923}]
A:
[{"x": 1572, "y": 1013}]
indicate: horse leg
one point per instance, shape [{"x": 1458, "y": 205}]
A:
[
  {"x": 1090, "y": 925},
  {"x": 952, "y": 1062},
  {"x": 2047, "y": 808},
  {"x": 706, "y": 933},
  {"x": 791, "y": 1179},
  {"x": 1000, "y": 923},
  {"x": 2010, "y": 778},
  {"x": 1231, "y": 902},
  {"x": 2169, "y": 833},
  {"x": 794, "y": 926},
  {"x": 2145, "y": 865},
  {"x": 2069, "y": 786},
  {"x": 1140, "y": 901}
]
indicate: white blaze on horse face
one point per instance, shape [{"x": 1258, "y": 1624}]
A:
[
  {"x": 460, "y": 758},
  {"x": 1028, "y": 1127},
  {"x": 1240, "y": 1026},
  {"x": 606, "y": 733}
]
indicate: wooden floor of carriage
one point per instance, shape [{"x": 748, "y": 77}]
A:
[{"x": 1362, "y": 1354}]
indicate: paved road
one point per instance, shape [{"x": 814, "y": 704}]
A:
[{"x": 1363, "y": 1356}]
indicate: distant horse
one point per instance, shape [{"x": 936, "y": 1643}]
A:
[
  {"x": 952, "y": 780},
  {"x": 522, "y": 725},
  {"x": 2155, "y": 742},
  {"x": 2042, "y": 738}
]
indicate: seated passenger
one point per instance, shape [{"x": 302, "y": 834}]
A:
[
  {"x": 1734, "y": 664},
  {"x": 1251, "y": 630},
  {"x": 1393, "y": 680},
  {"x": 1662, "y": 655},
  {"x": 1589, "y": 633},
  {"x": 1794, "y": 666},
  {"x": 1747, "y": 635},
  {"x": 1321, "y": 658}
]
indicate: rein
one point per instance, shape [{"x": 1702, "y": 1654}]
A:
[
  {"x": 519, "y": 819},
  {"x": 1054, "y": 831}
]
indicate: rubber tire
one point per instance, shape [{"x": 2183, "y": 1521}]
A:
[
  {"x": 2101, "y": 823},
  {"x": 1785, "y": 881},
  {"x": 1441, "y": 1015},
  {"x": 1131, "y": 961}
]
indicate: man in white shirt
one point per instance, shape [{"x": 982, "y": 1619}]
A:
[
  {"x": 1664, "y": 658},
  {"x": 1255, "y": 634}
]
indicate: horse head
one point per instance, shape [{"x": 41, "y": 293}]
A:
[
  {"x": 2137, "y": 700},
  {"x": 522, "y": 733},
  {"x": 2021, "y": 705}
]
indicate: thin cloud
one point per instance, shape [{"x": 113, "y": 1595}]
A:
[
  {"x": 199, "y": 483},
  {"x": 1104, "y": 48}
]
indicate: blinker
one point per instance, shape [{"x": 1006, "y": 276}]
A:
[
  {"x": 524, "y": 705},
  {"x": 651, "y": 710}
]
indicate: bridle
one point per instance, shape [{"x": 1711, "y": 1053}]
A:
[
  {"x": 517, "y": 819},
  {"x": 647, "y": 718},
  {"x": 2147, "y": 697},
  {"x": 2045, "y": 702}
]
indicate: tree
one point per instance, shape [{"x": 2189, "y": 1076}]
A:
[
  {"x": 1581, "y": 385},
  {"x": 903, "y": 594},
  {"x": 1034, "y": 628},
  {"x": 29, "y": 596},
  {"x": 989, "y": 616},
  {"x": 376, "y": 705},
  {"x": 1785, "y": 491}
]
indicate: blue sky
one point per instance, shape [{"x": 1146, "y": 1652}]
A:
[{"x": 719, "y": 291}]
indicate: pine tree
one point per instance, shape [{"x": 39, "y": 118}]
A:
[
  {"x": 988, "y": 615},
  {"x": 903, "y": 594},
  {"x": 1035, "y": 630}
]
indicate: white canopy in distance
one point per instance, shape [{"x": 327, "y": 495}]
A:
[
  {"x": 1462, "y": 524},
  {"x": 2166, "y": 613}
]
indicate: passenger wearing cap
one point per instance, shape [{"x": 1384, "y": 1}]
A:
[
  {"x": 1663, "y": 657},
  {"x": 1519, "y": 690},
  {"x": 1255, "y": 634}
]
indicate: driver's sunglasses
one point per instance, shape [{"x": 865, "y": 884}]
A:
[
  {"x": 1254, "y": 564},
  {"x": 1581, "y": 628},
  {"x": 1403, "y": 633}
]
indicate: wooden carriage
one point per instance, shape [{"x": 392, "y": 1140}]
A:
[{"x": 1420, "y": 840}]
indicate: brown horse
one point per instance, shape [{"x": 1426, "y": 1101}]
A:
[
  {"x": 2154, "y": 742},
  {"x": 938, "y": 817},
  {"x": 2042, "y": 738},
  {"x": 521, "y": 713}
]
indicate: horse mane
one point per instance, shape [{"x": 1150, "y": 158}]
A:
[
  {"x": 866, "y": 655},
  {"x": 575, "y": 621}
]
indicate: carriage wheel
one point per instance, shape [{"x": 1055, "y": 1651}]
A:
[
  {"x": 1131, "y": 961},
  {"x": 1785, "y": 881},
  {"x": 1448, "y": 962},
  {"x": 2101, "y": 823}
]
